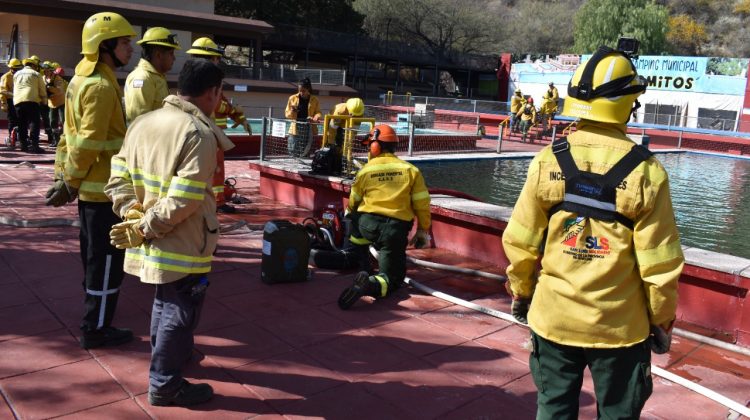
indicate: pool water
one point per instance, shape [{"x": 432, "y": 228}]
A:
[{"x": 710, "y": 194}]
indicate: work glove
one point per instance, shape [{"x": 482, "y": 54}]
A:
[
  {"x": 134, "y": 212},
  {"x": 126, "y": 234},
  {"x": 661, "y": 339},
  {"x": 60, "y": 194},
  {"x": 420, "y": 239},
  {"x": 3, "y": 107},
  {"x": 520, "y": 309}
]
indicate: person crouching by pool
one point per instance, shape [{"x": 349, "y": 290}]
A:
[{"x": 386, "y": 195}]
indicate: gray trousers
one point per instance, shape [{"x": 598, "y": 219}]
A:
[{"x": 174, "y": 316}]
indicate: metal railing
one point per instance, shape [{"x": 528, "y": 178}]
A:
[
  {"x": 286, "y": 73},
  {"x": 453, "y": 104}
]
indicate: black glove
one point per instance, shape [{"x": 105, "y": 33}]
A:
[
  {"x": 520, "y": 309},
  {"x": 60, "y": 194},
  {"x": 661, "y": 339}
]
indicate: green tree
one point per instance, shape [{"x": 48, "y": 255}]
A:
[
  {"x": 602, "y": 22},
  {"x": 335, "y": 15}
]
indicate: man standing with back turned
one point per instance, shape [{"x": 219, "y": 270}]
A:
[
  {"x": 599, "y": 207},
  {"x": 93, "y": 133},
  {"x": 163, "y": 191}
]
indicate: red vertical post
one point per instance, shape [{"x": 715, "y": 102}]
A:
[
  {"x": 744, "y": 125},
  {"x": 503, "y": 76}
]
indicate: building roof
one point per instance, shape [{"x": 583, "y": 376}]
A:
[{"x": 142, "y": 14}]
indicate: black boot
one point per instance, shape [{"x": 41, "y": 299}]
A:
[
  {"x": 188, "y": 394},
  {"x": 107, "y": 336},
  {"x": 362, "y": 287}
]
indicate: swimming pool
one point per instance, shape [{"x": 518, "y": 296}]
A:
[{"x": 710, "y": 194}]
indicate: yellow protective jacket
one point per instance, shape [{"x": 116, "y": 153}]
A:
[
  {"x": 548, "y": 107},
  {"x": 516, "y": 102},
  {"x": 526, "y": 116},
  {"x": 93, "y": 131},
  {"x": 553, "y": 94},
  {"x": 171, "y": 179},
  {"x": 224, "y": 110},
  {"x": 6, "y": 88},
  {"x": 391, "y": 187},
  {"x": 313, "y": 110},
  {"x": 145, "y": 89},
  {"x": 28, "y": 86},
  {"x": 601, "y": 284},
  {"x": 56, "y": 88}
]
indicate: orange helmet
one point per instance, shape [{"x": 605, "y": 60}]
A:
[
  {"x": 382, "y": 133},
  {"x": 59, "y": 72}
]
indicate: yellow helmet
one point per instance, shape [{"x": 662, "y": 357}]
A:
[
  {"x": 34, "y": 60},
  {"x": 101, "y": 27},
  {"x": 15, "y": 63},
  {"x": 55, "y": 65},
  {"x": 160, "y": 36},
  {"x": 355, "y": 106},
  {"x": 206, "y": 47},
  {"x": 604, "y": 88},
  {"x": 47, "y": 65}
]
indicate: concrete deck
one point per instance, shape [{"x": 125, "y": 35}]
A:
[{"x": 283, "y": 351}]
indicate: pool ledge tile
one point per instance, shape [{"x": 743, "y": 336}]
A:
[{"x": 716, "y": 261}]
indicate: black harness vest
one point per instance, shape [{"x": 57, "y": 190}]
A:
[{"x": 593, "y": 195}]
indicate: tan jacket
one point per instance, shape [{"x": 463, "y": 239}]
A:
[
  {"x": 56, "y": 88},
  {"x": 28, "y": 86},
  {"x": 145, "y": 89},
  {"x": 313, "y": 110},
  {"x": 166, "y": 164},
  {"x": 601, "y": 284},
  {"x": 93, "y": 131}
]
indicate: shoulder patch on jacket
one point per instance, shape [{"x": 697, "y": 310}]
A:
[{"x": 138, "y": 83}]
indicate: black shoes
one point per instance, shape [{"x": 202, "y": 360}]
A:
[
  {"x": 104, "y": 337},
  {"x": 356, "y": 291},
  {"x": 226, "y": 208},
  {"x": 188, "y": 394}
]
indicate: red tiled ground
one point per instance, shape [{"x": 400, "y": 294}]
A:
[{"x": 285, "y": 351}]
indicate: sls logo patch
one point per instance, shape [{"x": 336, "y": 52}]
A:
[{"x": 592, "y": 246}]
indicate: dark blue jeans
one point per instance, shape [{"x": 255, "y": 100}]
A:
[{"x": 174, "y": 316}]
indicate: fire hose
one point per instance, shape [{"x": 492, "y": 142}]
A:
[{"x": 713, "y": 395}]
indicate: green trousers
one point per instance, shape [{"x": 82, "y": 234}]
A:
[
  {"x": 390, "y": 236},
  {"x": 622, "y": 379}
]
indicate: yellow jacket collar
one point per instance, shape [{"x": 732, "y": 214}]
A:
[
  {"x": 603, "y": 127},
  {"x": 185, "y": 106}
]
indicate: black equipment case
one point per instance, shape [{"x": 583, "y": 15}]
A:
[{"x": 286, "y": 250}]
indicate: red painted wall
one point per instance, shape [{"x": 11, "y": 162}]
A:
[{"x": 708, "y": 298}]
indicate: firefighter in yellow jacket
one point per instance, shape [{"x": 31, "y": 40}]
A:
[
  {"x": 516, "y": 102},
  {"x": 56, "y": 88},
  {"x": 527, "y": 116},
  {"x": 207, "y": 49},
  {"x": 163, "y": 191},
  {"x": 547, "y": 111},
  {"x": 6, "y": 94},
  {"x": 29, "y": 92},
  {"x": 599, "y": 206},
  {"x": 354, "y": 107},
  {"x": 93, "y": 133},
  {"x": 304, "y": 108},
  {"x": 386, "y": 195},
  {"x": 146, "y": 85}
]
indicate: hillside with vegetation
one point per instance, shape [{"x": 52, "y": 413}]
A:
[{"x": 719, "y": 28}]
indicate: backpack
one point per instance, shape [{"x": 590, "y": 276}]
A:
[{"x": 326, "y": 161}]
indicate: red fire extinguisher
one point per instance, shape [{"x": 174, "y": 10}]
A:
[{"x": 332, "y": 220}]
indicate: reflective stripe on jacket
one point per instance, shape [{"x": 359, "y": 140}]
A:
[
  {"x": 28, "y": 86},
  {"x": 601, "y": 284},
  {"x": 94, "y": 129},
  {"x": 145, "y": 89},
  {"x": 391, "y": 187},
  {"x": 224, "y": 109},
  {"x": 166, "y": 164}
]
